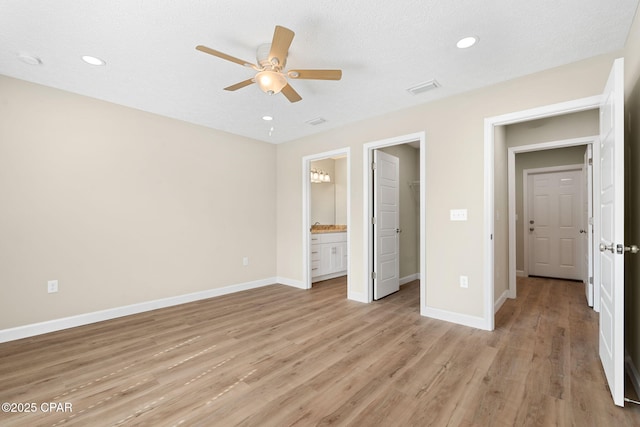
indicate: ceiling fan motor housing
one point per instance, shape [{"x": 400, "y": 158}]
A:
[{"x": 262, "y": 57}]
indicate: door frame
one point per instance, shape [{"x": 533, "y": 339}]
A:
[
  {"x": 367, "y": 210},
  {"x": 490, "y": 123},
  {"x": 526, "y": 173},
  {"x": 306, "y": 212},
  {"x": 511, "y": 175}
]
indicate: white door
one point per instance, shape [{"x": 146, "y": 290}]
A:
[
  {"x": 612, "y": 232},
  {"x": 386, "y": 200},
  {"x": 555, "y": 220},
  {"x": 587, "y": 225}
]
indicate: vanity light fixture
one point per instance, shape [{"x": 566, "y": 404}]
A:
[{"x": 319, "y": 176}]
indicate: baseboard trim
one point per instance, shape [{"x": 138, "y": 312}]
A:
[
  {"x": 631, "y": 370},
  {"x": 410, "y": 278},
  {"x": 291, "y": 282},
  {"x": 500, "y": 301},
  {"x": 520, "y": 273},
  {"x": 34, "y": 329},
  {"x": 449, "y": 316}
]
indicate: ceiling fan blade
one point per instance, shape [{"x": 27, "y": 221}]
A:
[
  {"x": 291, "y": 94},
  {"x": 240, "y": 85},
  {"x": 316, "y": 74},
  {"x": 282, "y": 38},
  {"x": 225, "y": 56}
]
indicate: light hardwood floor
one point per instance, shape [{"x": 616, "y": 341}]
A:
[{"x": 279, "y": 356}]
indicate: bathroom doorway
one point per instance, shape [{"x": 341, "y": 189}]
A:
[{"x": 326, "y": 213}]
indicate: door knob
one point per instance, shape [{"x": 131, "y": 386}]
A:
[
  {"x": 583, "y": 231},
  {"x": 531, "y": 228},
  {"x": 633, "y": 249},
  {"x": 604, "y": 248},
  {"x": 398, "y": 230}
]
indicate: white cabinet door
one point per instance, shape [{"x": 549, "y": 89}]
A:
[
  {"x": 325, "y": 259},
  {"x": 339, "y": 257}
]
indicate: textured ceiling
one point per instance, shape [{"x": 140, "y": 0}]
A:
[{"x": 383, "y": 48}]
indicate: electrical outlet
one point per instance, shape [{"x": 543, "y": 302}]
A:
[
  {"x": 464, "y": 281},
  {"x": 458, "y": 214},
  {"x": 52, "y": 286},
  {"x": 245, "y": 260}
]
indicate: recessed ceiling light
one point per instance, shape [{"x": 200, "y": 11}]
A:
[
  {"x": 29, "y": 59},
  {"x": 467, "y": 42},
  {"x": 267, "y": 118},
  {"x": 93, "y": 60}
]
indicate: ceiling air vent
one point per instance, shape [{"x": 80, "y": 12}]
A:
[
  {"x": 316, "y": 121},
  {"x": 423, "y": 87}
]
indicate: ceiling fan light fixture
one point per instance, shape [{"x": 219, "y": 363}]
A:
[{"x": 270, "y": 82}]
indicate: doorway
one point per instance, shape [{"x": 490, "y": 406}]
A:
[
  {"x": 518, "y": 225},
  {"x": 409, "y": 233},
  {"x": 326, "y": 218},
  {"x": 608, "y": 164}
]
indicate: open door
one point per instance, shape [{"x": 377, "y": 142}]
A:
[
  {"x": 612, "y": 232},
  {"x": 386, "y": 207}
]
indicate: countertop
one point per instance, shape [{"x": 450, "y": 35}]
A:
[{"x": 322, "y": 228}]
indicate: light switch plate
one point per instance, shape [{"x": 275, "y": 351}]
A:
[{"x": 458, "y": 214}]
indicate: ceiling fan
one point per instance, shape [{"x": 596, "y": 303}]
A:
[{"x": 272, "y": 58}]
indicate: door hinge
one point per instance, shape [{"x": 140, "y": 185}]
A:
[
  {"x": 373, "y": 220},
  {"x": 374, "y": 275},
  {"x": 591, "y": 161},
  {"x": 373, "y": 166},
  {"x": 590, "y": 221}
]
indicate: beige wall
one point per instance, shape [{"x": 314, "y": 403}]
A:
[
  {"x": 123, "y": 206},
  {"x": 567, "y": 126},
  {"x": 454, "y": 175},
  {"x": 632, "y": 191},
  {"x": 341, "y": 183},
  {"x": 409, "y": 243}
]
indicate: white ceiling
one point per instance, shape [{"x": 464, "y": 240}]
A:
[{"x": 383, "y": 47}]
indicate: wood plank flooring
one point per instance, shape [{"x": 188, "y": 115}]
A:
[{"x": 279, "y": 356}]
